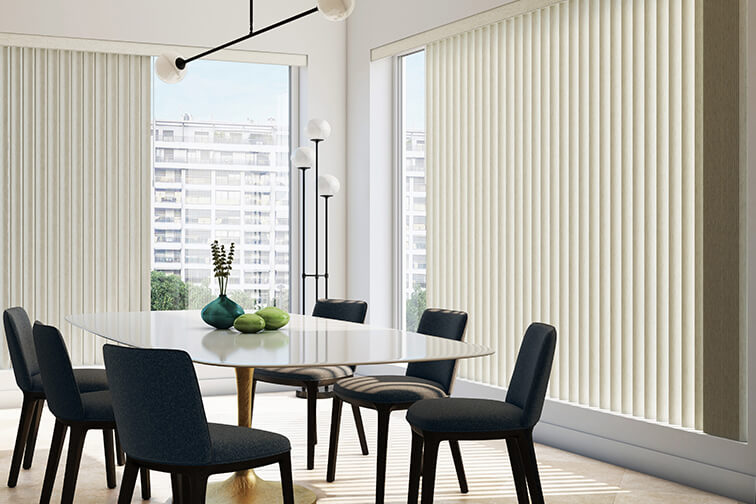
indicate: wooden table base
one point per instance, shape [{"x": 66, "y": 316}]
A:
[{"x": 244, "y": 487}]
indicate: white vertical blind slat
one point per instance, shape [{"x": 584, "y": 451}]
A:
[
  {"x": 562, "y": 188},
  {"x": 77, "y": 169}
]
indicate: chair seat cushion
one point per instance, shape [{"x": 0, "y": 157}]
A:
[
  {"x": 238, "y": 444},
  {"x": 304, "y": 374},
  {"x": 89, "y": 380},
  {"x": 98, "y": 406},
  {"x": 387, "y": 389},
  {"x": 462, "y": 415}
]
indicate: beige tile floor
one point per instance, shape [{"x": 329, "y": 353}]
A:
[{"x": 567, "y": 478}]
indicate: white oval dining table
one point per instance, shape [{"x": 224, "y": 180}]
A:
[{"x": 305, "y": 341}]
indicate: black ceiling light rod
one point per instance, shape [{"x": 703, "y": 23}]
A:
[
  {"x": 181, "y": 62},
  {"x": 170, "y": 67}
]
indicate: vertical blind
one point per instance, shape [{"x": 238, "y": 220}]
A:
[
  {"x": 75, "y": 175},
  {"x": 562, "y": 188}
]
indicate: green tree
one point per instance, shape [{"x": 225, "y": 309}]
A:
[
  {"x": 416, "y": 304},
  {"x": 168, "y": 291},
  {"x": 198, "y": 295},
  {"x": 245, "y": 300}
]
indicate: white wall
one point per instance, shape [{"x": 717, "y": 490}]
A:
[
  {"x": 717, "y": 465},
  {"x": 208, "y": 24}
]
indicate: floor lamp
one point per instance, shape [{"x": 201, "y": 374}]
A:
[{"x": 326, "y": 186}]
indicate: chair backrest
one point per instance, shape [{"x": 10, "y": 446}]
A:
[
  {"x": 18, "y": 334},
  {"x": 527, "y": 388},
  {"x": 445, "y": 324},
  {"x": 341, "y": 309},
  {"x": 61, "y": 389},
  {"x": 157, "y": 405}
]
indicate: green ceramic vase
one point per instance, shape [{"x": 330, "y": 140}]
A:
[{"x": 221, "y": 312}]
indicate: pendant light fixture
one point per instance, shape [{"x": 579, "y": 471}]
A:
[{"x": 171, "y": 67}]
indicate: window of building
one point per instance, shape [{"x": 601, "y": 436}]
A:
[
  {"x": 167, "y": 236},
  {"x": 197, "y": 216},
  {"x": 227, "y": 198},
  {"x": 199, "y": 177},
  {"x": 412, "y": 189},
  {"x": 228, "y": 178},
  {"x": 167, "y": 216},
  {"x": 167, "y": 175},
  {"x": 167, "y": 196},
  {"x": 167, "y": 256},
  {"x": 227, "y": 217},
  {"x": 197, "y": 197},
  {"x": 196, "y": 256},
  {"x": 257, "y": 198},
  {"x": 198, "y": 236}
]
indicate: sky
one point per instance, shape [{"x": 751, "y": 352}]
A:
[
  {"x": 414, "y": 99},
  {"x": 240, "y": 92},
  {"x": 225, "y": 91}
]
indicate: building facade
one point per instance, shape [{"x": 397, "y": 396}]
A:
[
  {"x": 414, "y": 211},
  {"x": 227, "y": 182}
]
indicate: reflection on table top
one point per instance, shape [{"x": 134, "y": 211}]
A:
[{"x": 305, "y": 341}]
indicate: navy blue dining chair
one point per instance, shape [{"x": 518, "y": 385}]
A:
[
  {"x": 75, "y": 410},
  {"x": 162, "y": 422},
  {"x": 18, "y": 334},
  {"x": 456, "y": 419},
  {"x": 385, "y": 394},
  {"x": 312, "y": 378}
]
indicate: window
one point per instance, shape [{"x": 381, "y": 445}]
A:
[
  {"x": 412, "y": 188},
  {"x": 196, "y": 256},
  {"x": 167, "y": 236},
  {"x": 167, "y": 256},
  {"x": 199, "y": 177},
  {"x": 227, "y": 198},
  {"x": 257, "y": 198},
  {"x": 167, "y": 175},
  {"x": 167, "y": 196},
  {"x": 167, "y": 216},
  {"x": 196, "y": 197},
  {"x": 228, "y": 178},
  {"x": 198, "y": 236},
  {"x": 227, "y": 217},
  {"x": 197, "y": 216}
]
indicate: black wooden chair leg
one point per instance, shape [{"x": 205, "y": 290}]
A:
[
  {"x": 518, "y": 470},
  {"x": 53, "y": 459},
  {"x": 380, "y": 477},
  {"x": 430, "y": 456},
  {"x": 527, "y": 449},
  {"x": 176, "y": 488},
  {"x": 199, "y": 488},
  {"x": 333, "y": 445},
  {"x": 360, "y": 429},
  {"x": 128, "y": 482},
  {"x": 120, "y": 455},
  {"x": 24, "y": 424},
  {"x": 287, "y": 486},
  {"x": 144, "y": 481},
  {"x": 415, "y": 468},
  {"x": 31, "y": 440},
  {"x": 312, "y": 428},
  {"x": 110, "y": 473},
  {"x": 252, "y": 398},
  {"x": 75, "y": 447},
  {"x": 458, "y": 465}
]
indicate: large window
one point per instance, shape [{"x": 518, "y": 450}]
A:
[
  {"x": 222, "y": 114},
  {"x": 412, "y": 179}
]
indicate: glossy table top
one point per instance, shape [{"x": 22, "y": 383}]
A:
[{"x": 305, "y": 341}]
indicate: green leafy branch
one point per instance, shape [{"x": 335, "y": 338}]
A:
[{"x": 222, "y": 264}]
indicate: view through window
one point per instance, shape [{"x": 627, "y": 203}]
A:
[
  {"x": 221, "y": 172},
  {"x": 412, "y": 67}
]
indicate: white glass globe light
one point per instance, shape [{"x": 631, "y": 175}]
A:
[
  {"x": 318, "y": 129},
  {"x": 328, "y": 185},
  {"x": 336, "y": 10},
  {"x": 304, "y": 157},
  {"x": 166, "y": 69}
]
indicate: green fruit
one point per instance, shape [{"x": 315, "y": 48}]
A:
[
  {"x": 275, "y": 318},
  {"x": 249, "y": 323}
]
